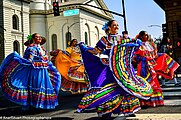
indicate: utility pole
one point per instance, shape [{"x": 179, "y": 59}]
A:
[{"x": 124, "y": 16}]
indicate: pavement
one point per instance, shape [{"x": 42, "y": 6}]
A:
[{"x": 68, "y": 104}]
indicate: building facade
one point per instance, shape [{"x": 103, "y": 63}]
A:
[
  {"x": 76, "y": 20},
  {"x": 19, "y": 18},
  {"x": 172, "y": 10},
  {"x": 14, "y": 26}
]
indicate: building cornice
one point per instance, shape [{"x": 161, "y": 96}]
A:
[{"x": 28, "y": 1}]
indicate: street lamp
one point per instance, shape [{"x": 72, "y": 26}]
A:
[{"x": 155, "y": 26}]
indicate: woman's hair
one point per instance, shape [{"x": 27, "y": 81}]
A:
[
  {"x": 107, "y": 24},
  {"x": 72, "y": 41},
  {"x": 33, "y": 36},
  {"x": 141, "y": 34}
]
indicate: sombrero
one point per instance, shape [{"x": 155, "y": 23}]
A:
[{"x": 30, "y": 40}]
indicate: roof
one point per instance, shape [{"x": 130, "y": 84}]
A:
[
  {"x": 100, "y": 3},
  {"x": 160, "y": 3}
]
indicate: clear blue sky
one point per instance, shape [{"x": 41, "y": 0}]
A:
[{"x": 139, "y": 15}]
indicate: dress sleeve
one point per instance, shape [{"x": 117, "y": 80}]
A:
[
  {"x": 29, "y": 54},
  {"x": 100, "y": 46},
  {"x": 69, "y": 50}
]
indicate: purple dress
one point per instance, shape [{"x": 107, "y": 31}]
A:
[{"x": 111, "y": 90}]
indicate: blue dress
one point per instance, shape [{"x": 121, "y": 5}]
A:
[{"x": 31, "y": 80}]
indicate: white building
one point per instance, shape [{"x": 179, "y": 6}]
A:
[
  {"x": 36, "y": 16},
  {"x": 14, "y": 18}
]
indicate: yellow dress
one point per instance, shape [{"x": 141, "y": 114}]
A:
[{"x": 72, "y": 70}]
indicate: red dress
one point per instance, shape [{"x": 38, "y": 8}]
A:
[{"x": 150, "y": 66}]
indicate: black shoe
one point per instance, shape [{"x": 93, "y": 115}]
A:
[
  {"x": 144, "y": 107},
  {"x": 130, "y": 115}
]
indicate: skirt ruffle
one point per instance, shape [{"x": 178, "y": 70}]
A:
[
  {"x": 156, "y": 99},
  {"x": 73, "y": 87},
  {"x": 110, "y": 99}
]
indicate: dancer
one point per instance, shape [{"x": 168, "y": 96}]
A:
[
  {"x": 70, "y": 66},
  {"x": 114, "y": 87},
  {"x": 150, "y": 65},
  {"x": 31, "y": 80}
]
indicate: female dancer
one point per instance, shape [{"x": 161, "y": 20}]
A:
[
  {"x": 31, "y": 80},
  {"x": 114, "y": 87},
  {"x": 151, "y": 65},
  {"x": 70, "y": 66}
]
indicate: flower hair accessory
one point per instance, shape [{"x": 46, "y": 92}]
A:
[
  {"x": 30, "y": 37},
  {"x": 105, "y": 26}
]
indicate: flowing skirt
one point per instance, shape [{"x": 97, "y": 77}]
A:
[
  {"x": 26, "y": 85},
  {"x": 104, "y": 93},
  {"x": 74, "y": 78}
]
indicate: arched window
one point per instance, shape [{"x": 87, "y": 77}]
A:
[
  {"x": 68, "y": 38},
  {"x": 54, "y": 42},
  {"x": 16, "y": 46},
  {"x": 97, "y": 32},
  {"x": 87, "y": 34},
  {"x": 15, "y": 22},
  {"x": 86, "y": 38}
]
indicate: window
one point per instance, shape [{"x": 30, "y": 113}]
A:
[
  {"x": 97, "y": 32},
  {"x": 54, "y": 42},
  {"x": 16, "y": 46},
  {"x": 86, "y": 38},
  {"x": 87, "y": 34},
  {"x": 15, "y": 22},
  {"x": 68, "y": 38}
]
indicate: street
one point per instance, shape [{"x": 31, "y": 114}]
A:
[{"x": 67, "y": 106}]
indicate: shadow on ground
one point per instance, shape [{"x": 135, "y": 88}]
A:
[
  {"x": 161, "y": 110},
  {"x": 67, "y": 102}
]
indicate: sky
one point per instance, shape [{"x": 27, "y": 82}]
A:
[{"x": 140, "y": 14}]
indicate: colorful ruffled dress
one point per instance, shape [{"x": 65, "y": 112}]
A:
[
  {"x": 30, "y": 80},
  {"x": 151, "y": 65},
  {"x": 74, "y": 78},
  {"x": 114, "y": 87}
]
